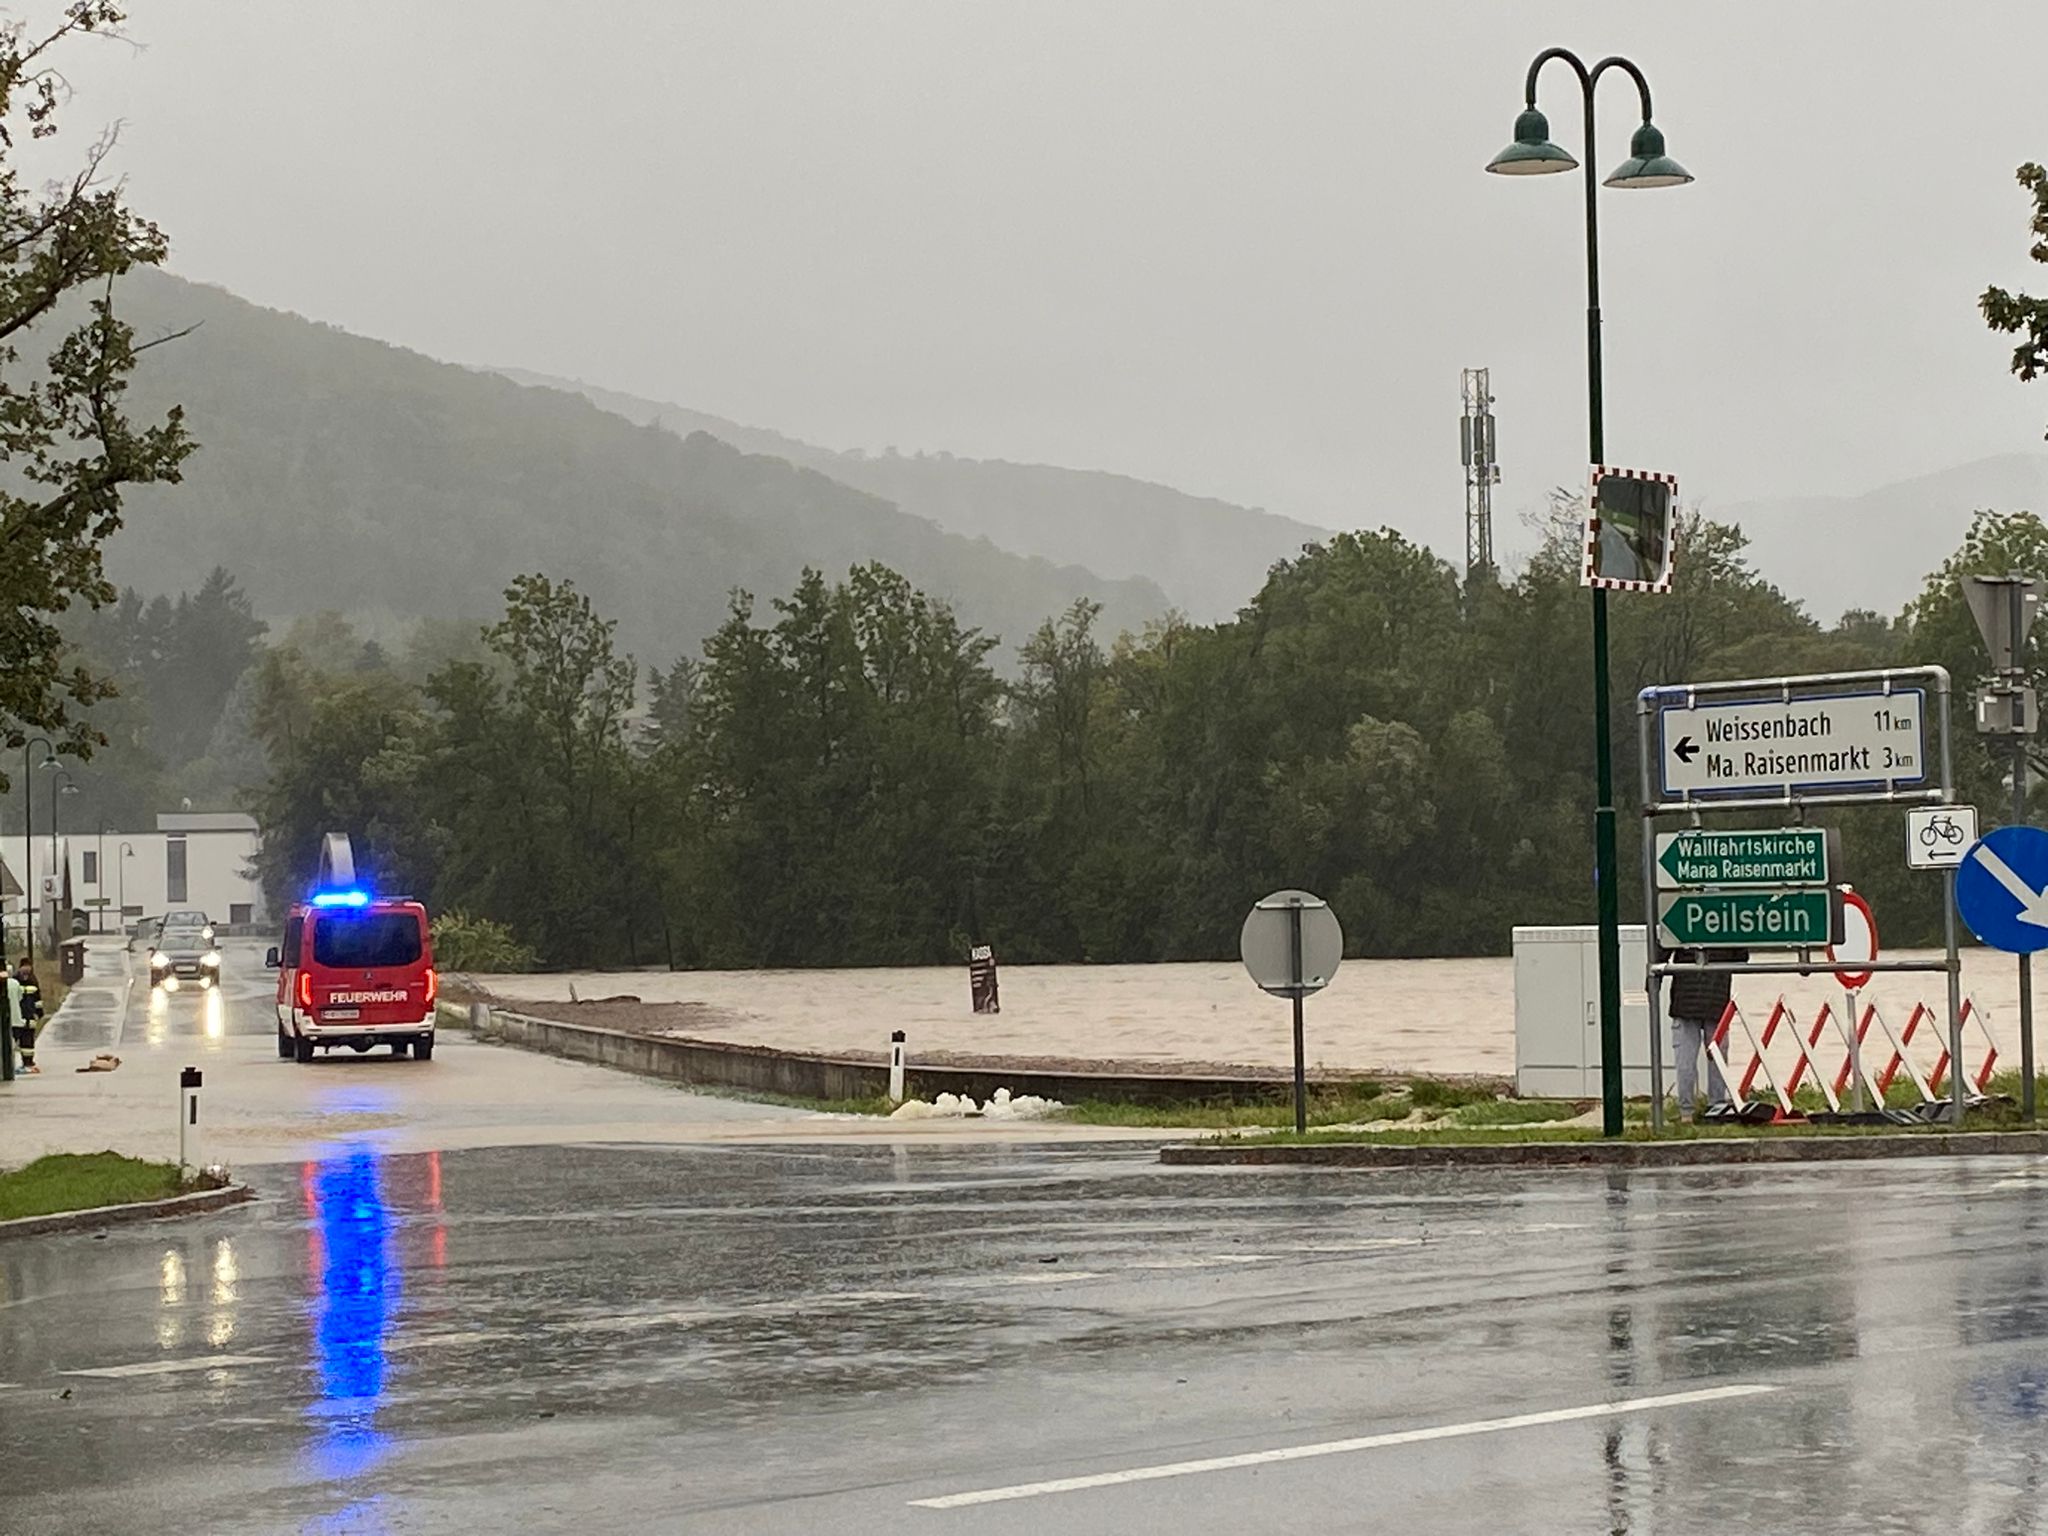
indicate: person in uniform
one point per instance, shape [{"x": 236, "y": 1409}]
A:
[{"x": 26, "y": 995}]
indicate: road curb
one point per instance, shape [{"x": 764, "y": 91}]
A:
[
  {"x": 196, "y": 1204},
  {"x": 1718, "y": 1151}
]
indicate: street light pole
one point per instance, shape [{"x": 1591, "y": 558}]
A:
[
  {"x": 1532, "y": 153},
  {"x": 127, "y": 853},
  {"x": 31, "y": 896},
  {"x": 65, "y": 784}
]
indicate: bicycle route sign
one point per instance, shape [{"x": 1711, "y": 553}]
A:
[
  {"x": 1839, "y": 743},
  {"x": 1937, "y": 836},
  {"x": 1696, "y": 858}
]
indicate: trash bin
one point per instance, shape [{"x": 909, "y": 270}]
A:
[{"x": 71, "y": 961}]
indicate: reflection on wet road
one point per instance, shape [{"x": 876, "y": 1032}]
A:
[
  {"x": 116, "y": 1009},
  {"x": 854, "y": 1339}
]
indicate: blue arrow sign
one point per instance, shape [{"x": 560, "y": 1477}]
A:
[{"x": 2002, "y": 889}]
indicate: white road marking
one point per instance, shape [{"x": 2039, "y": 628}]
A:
[
  {"x": 1045, "y": 1277},
  {"x": 1339, "y": 1447},
  {"x": 170, "y": 1367},
  {"x": 629, "y": 1322},
  {"x": 452, "y": 1340},
  {"x": 1201, "y": 1261}
]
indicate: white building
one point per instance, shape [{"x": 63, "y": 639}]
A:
[{"x": 191, "y": 859}]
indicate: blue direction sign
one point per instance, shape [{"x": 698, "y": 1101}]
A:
[{"x": 2002, "y": 889}]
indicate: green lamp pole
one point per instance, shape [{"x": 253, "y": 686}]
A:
[{"x": 1532, "y": 154}]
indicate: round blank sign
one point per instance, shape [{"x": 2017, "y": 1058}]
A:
[
  {"x": 1267, "y": 943},
  {"x": 1859, "y": 942}
]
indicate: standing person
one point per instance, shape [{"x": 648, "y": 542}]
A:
[
  {"x": 26, "y": 993},
  {"x": 1698, "y": 999}
]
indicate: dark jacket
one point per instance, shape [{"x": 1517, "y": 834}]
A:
[
  {"x": 1702, "y": 995},
  {"x": 31, "y": 996}
]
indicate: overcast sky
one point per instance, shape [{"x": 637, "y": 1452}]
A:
[{"x": 1243, "y": 248}]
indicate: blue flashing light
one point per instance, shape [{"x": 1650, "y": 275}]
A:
[{"x": 342, "y": 899}]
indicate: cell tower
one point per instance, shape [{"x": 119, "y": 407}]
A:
[{"x": 1482, "y": 472}]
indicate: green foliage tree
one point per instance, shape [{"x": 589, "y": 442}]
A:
[
  {"x": 66, "y": 442},
  {"x": 2018, "y": 313},
  {"x": 843, "y": 778}
]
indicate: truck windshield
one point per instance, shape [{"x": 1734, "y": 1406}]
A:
[{"x": 367, "y": 940}]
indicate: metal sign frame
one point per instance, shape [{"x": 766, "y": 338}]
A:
[{"x": 1650, "y": 703}]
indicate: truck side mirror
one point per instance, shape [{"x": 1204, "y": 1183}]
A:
[{"x": 270, "y": 959}]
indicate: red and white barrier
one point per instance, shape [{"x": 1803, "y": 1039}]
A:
[{"x": 1805, "y": 1048}]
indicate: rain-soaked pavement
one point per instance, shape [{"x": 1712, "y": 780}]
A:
[{"x": 823, "y": 1339}]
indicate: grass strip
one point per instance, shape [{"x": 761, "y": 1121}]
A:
[{"x": 69, "y": 1181}]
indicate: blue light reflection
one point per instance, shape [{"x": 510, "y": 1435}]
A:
[{"x": 355, "y": 1274}]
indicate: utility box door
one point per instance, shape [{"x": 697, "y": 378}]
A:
[
  {"x": 1551, "y": 1012},
  {"x": 1557, "y": 1013}
]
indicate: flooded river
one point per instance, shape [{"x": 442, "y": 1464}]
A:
[{"x": 1413, "y": 1015}]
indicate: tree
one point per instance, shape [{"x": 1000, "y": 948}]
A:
[
  {"x": 531, "y": 774},
  {"x": 2018, "y": 313},
  {"x": 67, "y": 446}
]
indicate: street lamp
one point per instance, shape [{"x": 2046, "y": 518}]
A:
[
  {"x": 31, "y": 901},
  {"x": 1533, "y": 154},
  {"x": 127, "y": 853},
  {"x": 66, "y": 784}
]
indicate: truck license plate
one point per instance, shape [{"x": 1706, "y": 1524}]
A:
[{"x": 341, "y": 1013}]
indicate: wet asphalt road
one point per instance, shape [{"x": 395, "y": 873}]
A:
[{"x": 810, "y": 1339}]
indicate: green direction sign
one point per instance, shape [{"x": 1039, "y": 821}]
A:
[
  {"x": 1743, "y": 860},
  {"x": 1745, "y": 919}
]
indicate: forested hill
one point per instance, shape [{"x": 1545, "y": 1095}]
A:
[
  {"x": 1211, "y": 556},
  {"x": 337, "y": 472}
]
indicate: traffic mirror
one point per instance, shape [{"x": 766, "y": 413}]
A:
[{"x": 1631, "y": 530}]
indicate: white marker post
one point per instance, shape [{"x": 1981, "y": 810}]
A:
[
  {"x": 896, "y": 1067},
  {"x": 188, "y": 1117}
]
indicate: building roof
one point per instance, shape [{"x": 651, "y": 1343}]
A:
[{"x": 204, "y": 821}]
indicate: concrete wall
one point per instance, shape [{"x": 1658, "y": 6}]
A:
[
  {"x": 708, "y": 1065},
  {"x": 758, "y": 1069}
]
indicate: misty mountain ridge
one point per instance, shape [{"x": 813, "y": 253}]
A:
[
  {"x": 338, "y": 472},
  {"x": 1876, "y": 550},
  {"x": 1210, "y": 556}
]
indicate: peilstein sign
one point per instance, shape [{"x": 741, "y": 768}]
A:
[
  {"x": 1747, "y": 919},
  {"x": 1841, "y": 743},
  {"x": 1694, "y": 858}
]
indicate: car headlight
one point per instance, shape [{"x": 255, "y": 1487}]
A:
[
  {"x": 211, "y": 959},
  {"x": 157, "y": 961}
]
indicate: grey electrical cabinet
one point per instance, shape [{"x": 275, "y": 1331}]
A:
[{"x": 1557, "y": 1014}]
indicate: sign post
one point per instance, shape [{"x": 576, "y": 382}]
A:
[
  {"x": 2004, "y": 608},
  {"x": 1696, "y": 857},
  {"x": 1859, "y": 944},
  {"x": 1748, "y": 919},
  {"x": 1833, "y": 744},
  {"x": 1792, "y": 745},
  {"x": 1292, "y": 945},
  {"x": 2001, "y": 887}
]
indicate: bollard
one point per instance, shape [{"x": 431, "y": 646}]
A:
[
  {"x": 896, "y": 1067},
  {"x": 188, "y": 1117}
]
